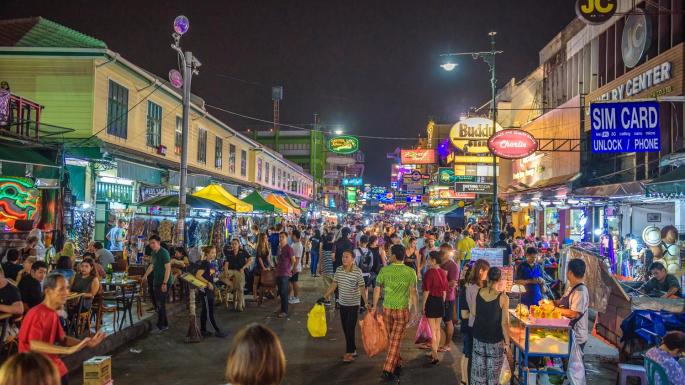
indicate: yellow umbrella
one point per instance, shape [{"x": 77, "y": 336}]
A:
[
  {"x": 273, "y": 199},
  {"x": 218, "y": 194}
]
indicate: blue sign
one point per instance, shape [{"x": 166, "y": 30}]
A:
[
  {"x": 625, "y": 127},
  {"x": 393, "y": 184},
  {"x": 414, "y": 199},
  {"x": 352, "y": 181}
]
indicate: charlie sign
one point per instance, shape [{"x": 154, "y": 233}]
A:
[{"x": 625, "y": 127}]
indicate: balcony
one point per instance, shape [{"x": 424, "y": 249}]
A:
[{"x": 19, "y": 117}]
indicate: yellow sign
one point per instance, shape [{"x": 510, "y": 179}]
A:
[
  {"x": 463, "y": 159},
  {"x": 471, "y": 135}
]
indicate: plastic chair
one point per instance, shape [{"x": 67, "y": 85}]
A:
[
  {"x": 628, "y": 370},
  {"x": 656, "y": 375}
]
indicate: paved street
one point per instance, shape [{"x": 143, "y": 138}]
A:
[{"x": 167, "y": 360}]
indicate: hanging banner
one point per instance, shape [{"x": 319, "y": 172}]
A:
[
  {"x": 418, "y": 156},
  {"x": 625, "y": 127}
]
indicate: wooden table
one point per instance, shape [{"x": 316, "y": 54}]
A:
[{"x": 122, "y": 297}]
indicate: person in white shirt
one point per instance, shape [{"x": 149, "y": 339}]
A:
[{"x": 298, "y": 252}]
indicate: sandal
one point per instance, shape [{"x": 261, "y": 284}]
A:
[
  {"x": 444, "y": 349},
  {"x": 348, "y": 358}
]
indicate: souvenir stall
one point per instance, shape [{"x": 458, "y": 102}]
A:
[{"x": 264, "y": 213}]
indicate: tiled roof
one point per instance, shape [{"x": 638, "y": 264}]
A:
[{"x": 40, "y": 32}]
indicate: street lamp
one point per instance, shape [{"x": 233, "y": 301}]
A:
[
  {"x": 190, "y": 64},
  {"x": 489, "y": 58},
  {"x": 338, "y": 131}
]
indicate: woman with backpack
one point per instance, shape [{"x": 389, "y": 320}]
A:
[{"x": 378, "y": 258}]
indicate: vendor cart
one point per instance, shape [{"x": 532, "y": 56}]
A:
[{"x": 540, "y": 337}]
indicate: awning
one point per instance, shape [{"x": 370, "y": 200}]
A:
[
  {"x": 16, "y": 159},
  {"x": 557, "y": 181},
  {"x": 280, "y": 204},
  {"x": 191, "y": 201},
  {"x": 615, "y": 190},
  {"x": 259, "y": 204},
  {"x": 670, "y": 185},
  {"x": 218, "y": 194}
]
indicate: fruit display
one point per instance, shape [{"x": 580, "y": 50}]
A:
[
  {"x": 522, "y": 311},
  {"x": 545, "y": 335}
]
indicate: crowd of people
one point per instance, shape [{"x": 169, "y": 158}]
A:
[{"x": 410, "y": 269}]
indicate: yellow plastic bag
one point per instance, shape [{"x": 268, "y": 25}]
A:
[{"x": 316, "y": 321}]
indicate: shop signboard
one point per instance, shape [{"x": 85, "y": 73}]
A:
[
  {"x": 415, "y": 188},
  {"x": 451, "y": 194},
  {"x": 344, "y": 144},
  {"x": 353, "y": 181},
  {"x": 595, "y": 11},
  {"x": 623, "y": 127},
  {"x": 393, "y": 185},
  {"x": 414, "y": 199},
  {"x": 493, "y": 255},
  {"x": 471, "y": 135},
  {"x": 351, "y": 194},
  {"x": 447, "y": 177},
  {"x": 453, "y": 158},
  {"x": 512, "y": 144},
  {"x": 386, "y": 198},
  {"x": 149, "y": 192},
  {"x": 417, "y": 156},
  {"x": 477, "y": 188}
]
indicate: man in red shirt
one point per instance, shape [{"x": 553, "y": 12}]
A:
[{"x": 41, "y": 331}]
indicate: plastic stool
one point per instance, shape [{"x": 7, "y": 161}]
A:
[{"x": 627, "y": 370}]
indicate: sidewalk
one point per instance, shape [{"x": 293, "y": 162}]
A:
[{"x": 166, "y": 360}]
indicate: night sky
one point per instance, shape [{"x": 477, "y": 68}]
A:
[{"x": 372, "y": 66}]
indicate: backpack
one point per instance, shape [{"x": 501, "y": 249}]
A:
[{"x": 366, "y": 260}]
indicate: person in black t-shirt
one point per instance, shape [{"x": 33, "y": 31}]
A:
[
  {"x": 12, "y": 267},
  {"x": 662, "y": 284},
  {"x": 343, "y": 244},
  {"x": 237, "y": 261},
  {"x": 205, "y": 273},
  {"x": 10, "y": 299},
  {"x": 30, "y": 287}
]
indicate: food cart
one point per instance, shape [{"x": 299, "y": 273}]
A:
[{"x": 538, "y": 337}]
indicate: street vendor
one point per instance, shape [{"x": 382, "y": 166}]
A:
[
  {"x": 663, "y": 283},
  {"x": 576, "y": 299},
  {"x": 529, "y": 274}
]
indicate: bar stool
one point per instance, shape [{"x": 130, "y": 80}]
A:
[{"x": 627, "y": 370}]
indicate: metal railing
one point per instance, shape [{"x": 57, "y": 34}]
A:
[{"x": 19, "y": 117}]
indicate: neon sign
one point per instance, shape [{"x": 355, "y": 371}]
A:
[{"x": 19, "y": 200}]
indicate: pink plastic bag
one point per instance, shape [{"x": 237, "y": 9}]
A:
[{"x": 423, "y": 332}]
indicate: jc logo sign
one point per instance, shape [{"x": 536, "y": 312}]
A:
[{"x": 596, "y": 11}]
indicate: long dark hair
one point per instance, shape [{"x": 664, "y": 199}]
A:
[
  {"x": 474, "y": 273},
  {"x": 93, "y": 272},
  {"x": 262, "y": 245}
]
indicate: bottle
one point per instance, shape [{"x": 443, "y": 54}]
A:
[{"x": 109, "y": 272}]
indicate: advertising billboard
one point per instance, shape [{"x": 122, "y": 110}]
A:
[
  {"x": 418, "y": 156},
  {"x": 625, "y": 127}
]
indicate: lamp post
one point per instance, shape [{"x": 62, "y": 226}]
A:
[
  {"x": 489, "y": 58},
  {"x": 190, "y": 65}
]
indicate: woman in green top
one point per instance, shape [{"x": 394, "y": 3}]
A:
[{"x": 86, "y": 282}]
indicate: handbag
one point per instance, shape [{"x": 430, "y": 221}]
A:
[{"x": 268, "y": 278}]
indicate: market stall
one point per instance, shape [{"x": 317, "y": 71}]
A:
[{"x": 218, "y": 194}]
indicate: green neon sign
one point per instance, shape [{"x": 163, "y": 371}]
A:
[{"x": 344, "y": 144}]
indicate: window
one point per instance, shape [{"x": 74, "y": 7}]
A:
[
  {"x": 218, "y": 146},
  {"x": 178, "y": 136},
  {"x": 243, "y": 163},
  {"x": 154, "y": 124},
  {"x": 202, "y": 145},
  {"x": 266, "y": 173},
  {"x": 278, "y": 181},
  {"x": 273, "y": 175},
  {"x": 117, "y": 110},
  {"x": 231, "y": 158},
  {"x": 259, "y": 169}
]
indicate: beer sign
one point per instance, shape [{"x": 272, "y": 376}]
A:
[
  {"x": 345, "y": 144},
  {"x": 512, "y": 144}
]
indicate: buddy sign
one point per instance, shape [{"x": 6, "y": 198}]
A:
[
  {"x": 345, "y": 144},
  {"x": 625, "y": 127},
  {"x": 512, "y": 144},
  {"x": 471, "y": 135}
]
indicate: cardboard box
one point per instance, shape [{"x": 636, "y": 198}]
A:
[{"x": 97, "y": 370}]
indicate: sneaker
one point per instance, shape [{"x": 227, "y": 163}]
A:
[
  {"x": 220, "y": 334},
  {"x": 205, "y": 333},
  {"x": 294, "y": 300},
  {"x": 159, "y": 331},
  {"x": 282, "y": 315},
  {"x": 355, "y": 355}
]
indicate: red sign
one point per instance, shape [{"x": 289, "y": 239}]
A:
[
  {"x": 451, "y": 194},
  {"x": 418, "y": 156},
  {"x": 512, "y": 144}
]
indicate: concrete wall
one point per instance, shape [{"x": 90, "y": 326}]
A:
[{"x": 637, "y": 216}]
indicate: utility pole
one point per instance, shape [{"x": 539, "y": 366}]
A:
[
  {"x": 489, "y": 58},
  {"x": 190, "y": 65}
]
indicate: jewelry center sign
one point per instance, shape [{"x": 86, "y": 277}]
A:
[{"x": 625, "y": 127}]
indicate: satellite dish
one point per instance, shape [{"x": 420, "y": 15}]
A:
[{"x": 636, "y": 39}]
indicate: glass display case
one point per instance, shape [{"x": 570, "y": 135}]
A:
[{"x": 538, "y": 337}]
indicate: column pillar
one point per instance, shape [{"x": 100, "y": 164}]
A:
[{"x": 679, "y": 218}]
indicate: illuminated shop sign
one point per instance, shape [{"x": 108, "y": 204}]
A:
[
  {"x": 512, "y": 144},
  {"x": 345, "y": 144},
  {"x": 471, "y": 135},
  {"x": 19, "y": 200},
  {"x": 596, "y": 11},
  {"x": 418, "y": 156},
  {"x": 352, "y": 181},
  {"x": 652, "y": 77},
  {"x": 625, "y": 127},
  {"x": 447, "y": 177}
]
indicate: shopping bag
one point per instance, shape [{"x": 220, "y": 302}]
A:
[
  {"x": 505, "y": 372},
  {"x": 374, "y": 334},
  {"x": 576, "y": 368},
  {"x": 424, "y": 335},
  {"x": 316, "y": 321}
]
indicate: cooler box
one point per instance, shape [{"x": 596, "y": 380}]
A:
[{"x": 97, "y": 371}]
